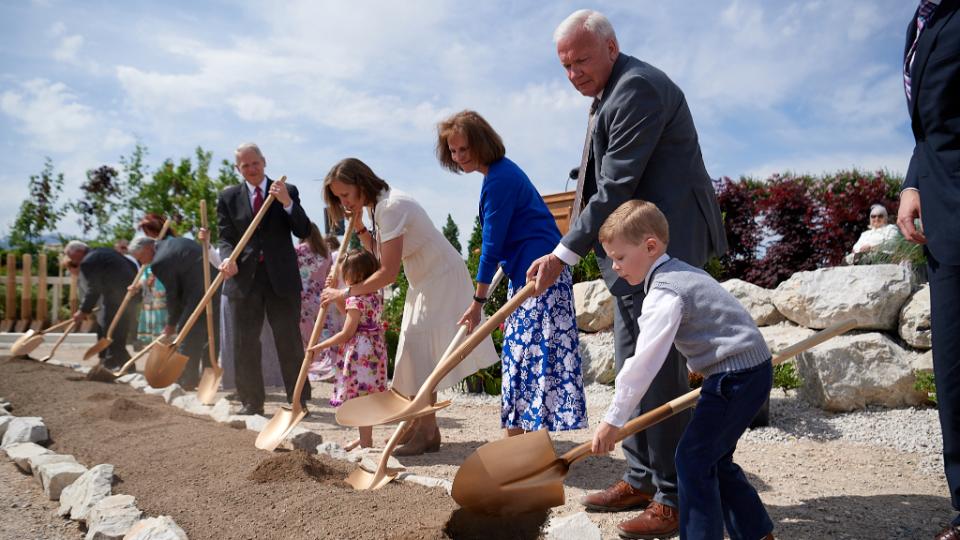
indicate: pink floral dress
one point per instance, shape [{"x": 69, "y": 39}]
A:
[{"x": 362, "y": 367}]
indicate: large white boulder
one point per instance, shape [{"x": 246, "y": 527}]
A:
[
  {"x": 4, "y": 422},
  {"x": 597, "y": 358},
  {"x": 54, "y": 477},
  {"x": 156, "y": 528},
  {"x": 91, "y": 487},
  {"x": 915, "y": 319},
  {"x": 852, "y": 371},
  {"x": 112, "y": 518},
  {"x": 578, "y": 526},
  {"x": 783, "y": 335},
  {"x": 757, "y": 300},
  {"x": 25, "y": 429},
  {"x": 870, "y": 294},
  {"x": 594, "y": 305},
  {"x": 38, "y": 460},
  {"x": 21, "y": 453}
]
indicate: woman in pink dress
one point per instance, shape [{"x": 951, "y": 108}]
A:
[{"x": 313, "y": 258}]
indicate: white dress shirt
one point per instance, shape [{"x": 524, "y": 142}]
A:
[
  {"x": 658, "y": 322},
  {"x": 252, "y": 190}
]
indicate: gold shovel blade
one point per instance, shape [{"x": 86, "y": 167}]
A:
[
  {"x": 164, "y": 366},
  {"x": 26, "y": 343},
  {"x": 278, "y": 427},
  {"x": 95, "y": 349},
  {"x": 209, "y": 385},
  {"x": 382, "y": 408},
  {"x": 361, "y": 479},
  {"x": 511, "y": 476}
]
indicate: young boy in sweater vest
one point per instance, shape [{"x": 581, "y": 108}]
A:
[{"x": 687, "y": 308}]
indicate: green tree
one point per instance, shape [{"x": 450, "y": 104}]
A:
[
  {"x": 39, "y": 213},
  {"x": 100, "y": 202},
  {"x": 452, "y": 233},
  {"x": 131, "y": 184},
  {"x": 476, "y": 238}
]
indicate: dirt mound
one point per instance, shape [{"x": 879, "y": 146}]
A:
[
  {"x": 100, "y": 396},
  {"x": 127, "y": 410},
  {"x": 295, "y": 466},
  {"x": 465, "y": 524}
]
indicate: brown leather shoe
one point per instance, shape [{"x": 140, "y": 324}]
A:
[
  {"x": 616, "y": 498},
  {"x": 950, "y": 533},
  {"x": 657, "y": 521}
]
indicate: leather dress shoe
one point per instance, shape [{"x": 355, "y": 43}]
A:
[
  {"x": 616, "y": 498},
  {"x": 248, "y": 410},
  {"x": 950, "y": 533},
  {"x": 657, "y": 521}
]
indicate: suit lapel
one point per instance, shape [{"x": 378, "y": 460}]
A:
[{"x": 924, "y": 45}]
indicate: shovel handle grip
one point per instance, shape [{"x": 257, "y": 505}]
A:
[
  {"x": 238, "y": 248},
  {"x": 689, "y": 399}
]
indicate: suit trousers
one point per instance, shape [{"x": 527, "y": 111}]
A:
[
  {"x": 116, "y": 354},
  {"x": 650, "y": 453},
  {"x": 195, "y": 344},
  {"x": 284, "y": 316},
  {"x": 945, "y": 327}
]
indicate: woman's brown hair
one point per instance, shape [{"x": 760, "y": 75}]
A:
[
  {"x": 151, "y": 224},
  {"x": 359, "y": 265},
  {"x": 486, "y": 146},
  {"x": 318, "y": 245},
  {"x": 352, "y": 172}
]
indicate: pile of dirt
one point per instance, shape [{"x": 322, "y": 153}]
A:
[
  {"x": 465, "y": 524},
  {"x": 296, "y": 466},
  {"x": 100, "y": 396},
  {"x": 120, "y": 409}
]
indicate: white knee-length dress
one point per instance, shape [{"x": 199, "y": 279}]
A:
[{"x": 440, "y": 291}]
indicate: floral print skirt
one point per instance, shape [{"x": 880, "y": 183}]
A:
[{"x": 542, "y": 386}]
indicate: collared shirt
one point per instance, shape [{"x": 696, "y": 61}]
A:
[
  {"x": 658, "y": 323},
  {"x": 252, "y": 190}
]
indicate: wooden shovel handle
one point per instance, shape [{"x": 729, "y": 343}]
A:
[
  {"x": 211, "y": 352},
  {"x": 689, "y": 399},
  {"x": 446, "y": 365},
  {"x": 62, "y": 324},
  {"x": 318, "y": 324},
  {"x": 136, "y": 279},
  {"x": 237, "y": 249}
]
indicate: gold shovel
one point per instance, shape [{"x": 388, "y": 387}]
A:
[
  {"x": 392, "y": 406},
  {"x": 165, "y": 364},
  {"x": 283, "y": 421},
  {"x": 102, "y": 374},
  {"x": 523, "y": 473},
  {"x": 32, "y": 339},
  {"x": 107, "y": 340},
  {"x": 63, "y": 336},
  {"x": 360, "y": 478},
  {"x": 211, "y": 377}
]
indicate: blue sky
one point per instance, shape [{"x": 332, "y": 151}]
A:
[{"x": 773, "y": 85}]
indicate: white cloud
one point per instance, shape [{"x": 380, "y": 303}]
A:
[
  {"x": 68, "y": 48},
  {"x": 49, "y": 114}
]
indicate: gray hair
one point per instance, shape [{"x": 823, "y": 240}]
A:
[
  {"x": 880, "y": 207},
  {"x": 587, "y": 19},
  {"x": 247, "y": 146},
  {"x": 141, "y": 242},
  {"x": 74, "y": 246}
]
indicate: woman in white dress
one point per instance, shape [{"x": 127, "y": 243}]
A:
[{"x": 440, "y": 286}]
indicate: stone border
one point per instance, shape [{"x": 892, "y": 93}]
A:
[{"x": 85, "y": 495}]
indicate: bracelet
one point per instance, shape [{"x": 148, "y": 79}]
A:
[{"x": 479, "y": 299}]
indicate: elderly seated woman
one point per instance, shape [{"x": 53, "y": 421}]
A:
[{"x": 878, "y": 240}]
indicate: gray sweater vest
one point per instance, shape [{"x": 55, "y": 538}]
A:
[{"x": 716, "y": 333}]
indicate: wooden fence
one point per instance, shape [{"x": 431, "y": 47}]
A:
[{"x": 42, "y": 313}]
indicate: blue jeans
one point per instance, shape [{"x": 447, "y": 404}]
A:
[{"x": 713, "y": 489}]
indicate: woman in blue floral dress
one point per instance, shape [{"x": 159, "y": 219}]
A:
[{"x": 542, "y": 386}]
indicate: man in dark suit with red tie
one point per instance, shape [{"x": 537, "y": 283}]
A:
[
  {"x": 931, "y": 193},
  {"x": 264, "y": 279}
]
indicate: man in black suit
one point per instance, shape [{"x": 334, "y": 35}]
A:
[
  {"x": 107, "y": 274},
  {"x": 641, "y": 144},
  {"x": 178, "y": 263},
  {"x": 931, "y": 193},
  {"x": 265, "y": 278}
]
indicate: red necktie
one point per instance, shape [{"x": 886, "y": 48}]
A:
[{"x": 257, "y": 200}]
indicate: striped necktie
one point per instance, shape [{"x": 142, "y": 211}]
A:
[{"x": 927, "y": 7}]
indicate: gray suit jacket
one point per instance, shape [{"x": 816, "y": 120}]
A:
[
  {"x": 645, "y": 147},
  {"x": 178, "y": 264}
]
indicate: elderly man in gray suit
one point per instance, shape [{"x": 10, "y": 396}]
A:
[{"x": 641, "y": 144}]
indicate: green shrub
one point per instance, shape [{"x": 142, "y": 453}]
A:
[
  {"x": 924, "y": 383},
  {"x": 785, "y": 376}
]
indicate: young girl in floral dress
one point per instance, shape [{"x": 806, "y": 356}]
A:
[{"x": 362, "y": 365}]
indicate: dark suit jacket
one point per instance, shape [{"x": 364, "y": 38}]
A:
[
  {"x": 272, "y": 238},
  {"x": 935, "y": 119},
  {"x": 645, "y": 146},
  {"x": 178, "y": 264},
  {"x": 108, "y": 274}
]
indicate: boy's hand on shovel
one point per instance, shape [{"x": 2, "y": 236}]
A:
[{"x": 604, "y": 439}]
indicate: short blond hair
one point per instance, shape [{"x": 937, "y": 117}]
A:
[{"x": 634, "y": 221}]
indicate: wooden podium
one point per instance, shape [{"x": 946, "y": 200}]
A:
[{"x": 561, "y": 206}]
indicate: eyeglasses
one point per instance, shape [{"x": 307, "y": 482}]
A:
[{"x": 877, "y": 216}]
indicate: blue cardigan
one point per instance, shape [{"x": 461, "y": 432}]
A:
[{"x": 517, "y": 226}]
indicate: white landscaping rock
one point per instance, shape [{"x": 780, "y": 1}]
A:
[
  {"x": 597, "y": 356},
  {"x": 54, "y": 477},
  {"x": 577, "y": 526},
  {"x": 157, "y": 528},
  {"x": 922, "y": 361},
  {"x": 757, "y": 300},
  {"x": 254, "y": 422},
  {"x": 594, "y": 305},
  {"x": 428, "y": 481},
  {"x": 20, "y": 454},
  {"x": 333, "y": 450},
  {"x": 25, "y": 429},
  {"x": 915, "y": 319},
  {"x": 189, "y": 403},
  {"x": 172, "y": 392},
  {"x": 4, "y": 421},
  {"x": 112, "y": 518},
  {"x": 783, "y": 335},
  {"x": 870, "y": 294},
  {"x": 852, "y": 371},
  {"x": 222, "y": 410},
  {"x": 303, "y": 439},
  {"x": 370, "y": 461},
  {"x": 79, "y": 498},
  {"x": 137, "y": 381},
  {"x": 42, "y": 459}
]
